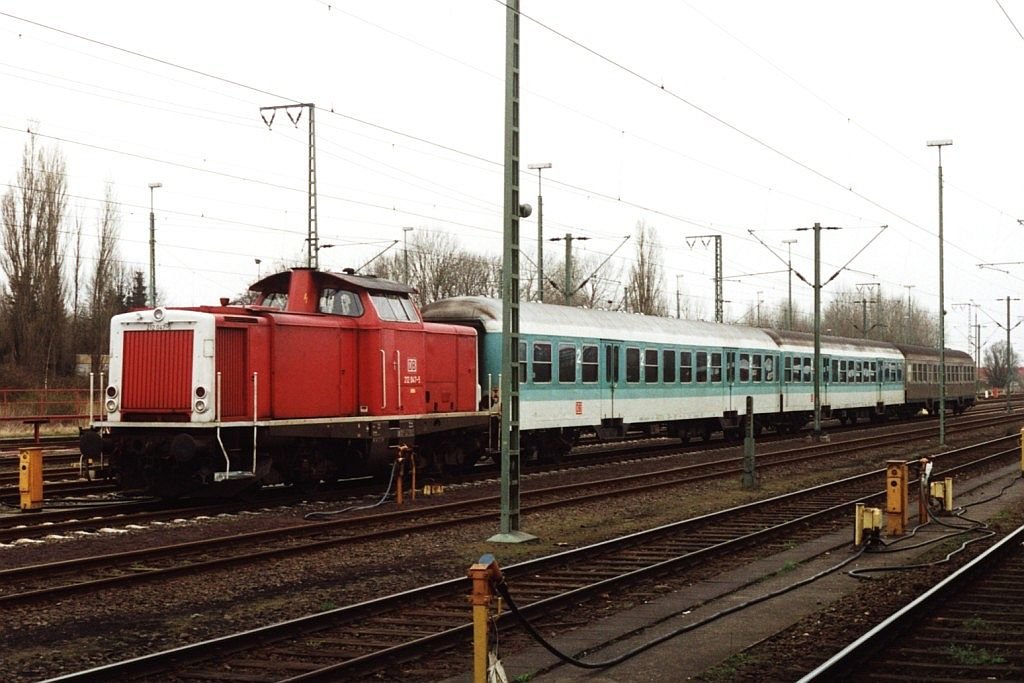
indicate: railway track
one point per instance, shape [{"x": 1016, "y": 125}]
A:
[
  {"x": 349, "y": 642},
  {"x": 970, "y": 626},
  {"x": 88, "y": 514},
  {"x": 52, "y": 580}
]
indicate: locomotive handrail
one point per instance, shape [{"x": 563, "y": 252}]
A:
[
  {"x": 398, "y": 376},
  {"x": 255, "y": 416},
  {"x": 384, "y": 378}
]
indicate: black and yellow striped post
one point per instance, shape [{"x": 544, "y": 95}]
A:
[{"x": 30, "y": 479}]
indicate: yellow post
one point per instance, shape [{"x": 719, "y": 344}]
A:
[
  {"x": 858, "y": 524},
  {"x": 484, "y": 574},
  {"x": 896, "y": 497},
  {"x": 30, "y": 478}
]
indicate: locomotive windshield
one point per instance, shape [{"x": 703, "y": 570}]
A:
[
  {"x": 394, "y": 306},
  {"x": 340, "y": 302}
]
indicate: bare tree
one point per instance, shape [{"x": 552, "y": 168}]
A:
[
  {"x": 439, "y": 268},
  {"x": 33, "y": 260},
  {"x": 645, "y": 277},
  {"x": 998, "y": 373},
  {"x": 109, "y": 284}
]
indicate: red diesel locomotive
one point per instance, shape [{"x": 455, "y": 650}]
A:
[{"x": 322, "y": 377}]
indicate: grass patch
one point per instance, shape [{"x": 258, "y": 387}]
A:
[
  {"x": 968, "y": 655},
  {"x": 728, "y": 669}
]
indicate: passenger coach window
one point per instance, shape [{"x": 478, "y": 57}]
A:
[
  {"x": 702, "y": 367},
  {"x": 668, "y": 366},
  {"x": 566, "y": 363},
  {"x": 632, "y": 364},
  {"x": 744, "y": 367},
  {"x": 716, "y": 367},
  {"x": 541, "y": 362},
  {"x": 651, "y": 365},
  {"x": 788, "y": 372},
  {"x": 769, "y": 368},
  {"x": 686, "y": 366},
  {"x": 807, "y": 369},
  {"x": 588, "y": 367},
  {"x": 522, "y": 363}
]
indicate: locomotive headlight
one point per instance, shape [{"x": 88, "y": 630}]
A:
[
  {"x": 200, "y": 392},
  {"x": 111, "y": 405},
  {"x": 200, "y": 406},
  {"x": 111, "y": 391},
  {"x": 158, "y": 314}
]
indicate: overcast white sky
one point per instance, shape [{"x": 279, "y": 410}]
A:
[{"x": 764, "y": 116}]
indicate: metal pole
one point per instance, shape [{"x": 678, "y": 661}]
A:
[
  {"x": 942, "y": 306},
  {"x": 678, "y": 307},
  {"x": 510, "y": 532},
  {"x": 568, "y": 269},
  {"x": 817, "y": 332},
  {"x": 405, "y": 249},
  {"x": 540, "y": 230},
  {"x": 152, "y": 246},
  {"x": 1008, "y": 408},
  {"x": 789, "y": 265},
  {"x": 942, "y": 322}
]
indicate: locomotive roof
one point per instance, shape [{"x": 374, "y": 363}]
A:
[
  {"x": 278, "y": 282},
  {"x": 556, "y": 320}
]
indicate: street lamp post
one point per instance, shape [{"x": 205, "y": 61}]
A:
[
  {"x": 405, "y": 249},
  {"x": 258, "y": 262},
  {"x": 942, "y": 303},
  {"x": 540, "y": 230},
  {"x": 789, "y": 264},
  {"x": 152, "y": 246}
]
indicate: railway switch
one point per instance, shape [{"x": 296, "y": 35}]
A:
[
  {"x": 485, "y": 575},
  {"x": 30, "y": 478},
  {"x": 942, "y": 491},
  {"x": 896, "y": 497},
  {"x": 868, "y": 521}
]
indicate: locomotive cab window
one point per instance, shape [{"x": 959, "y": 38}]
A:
[
  {"x": 278, "y": 300},
  {"x": 392, "y": 306},
  {"x": 340, "y": 302}
]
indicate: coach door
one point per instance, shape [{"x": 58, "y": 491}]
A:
[
  {"x": 610, "y": 377},
  {"x": 733, "y": 392}
]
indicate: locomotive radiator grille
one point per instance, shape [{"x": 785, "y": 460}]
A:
[
  {"x": 231, "y": 365},
  {"x": 157, "y": 371}
]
